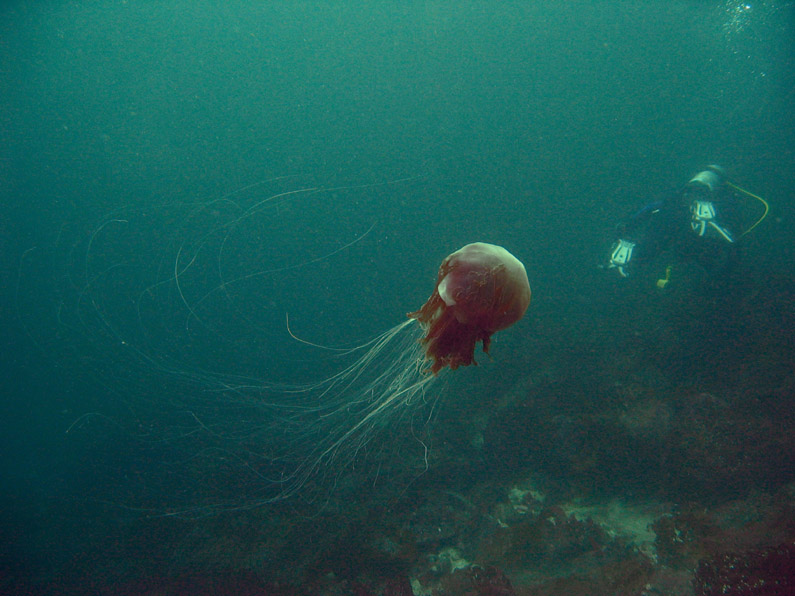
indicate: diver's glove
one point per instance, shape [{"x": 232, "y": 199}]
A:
[
  {"x": 703, "y": 220},
  {"x": 621, "y": 255}
]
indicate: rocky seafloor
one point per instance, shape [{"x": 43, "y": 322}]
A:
[{"x": 661, "y": 463}]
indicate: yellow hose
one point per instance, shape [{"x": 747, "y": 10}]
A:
[{"x": 758, "y": 198}]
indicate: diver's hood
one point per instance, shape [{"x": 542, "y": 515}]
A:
[{"x": 711, "y": 179}]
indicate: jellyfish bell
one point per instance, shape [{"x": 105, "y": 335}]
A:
[{"x": 480, "y": 289}]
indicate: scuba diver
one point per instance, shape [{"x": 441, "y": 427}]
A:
[{"x": 700, "y": 223}]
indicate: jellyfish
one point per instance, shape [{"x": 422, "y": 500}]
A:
[
  {"x": 480, "y": 289},
  {"x": 190, "y": 328}
]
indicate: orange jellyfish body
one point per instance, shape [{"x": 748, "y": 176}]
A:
[{"x": 480, "y": 289}]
